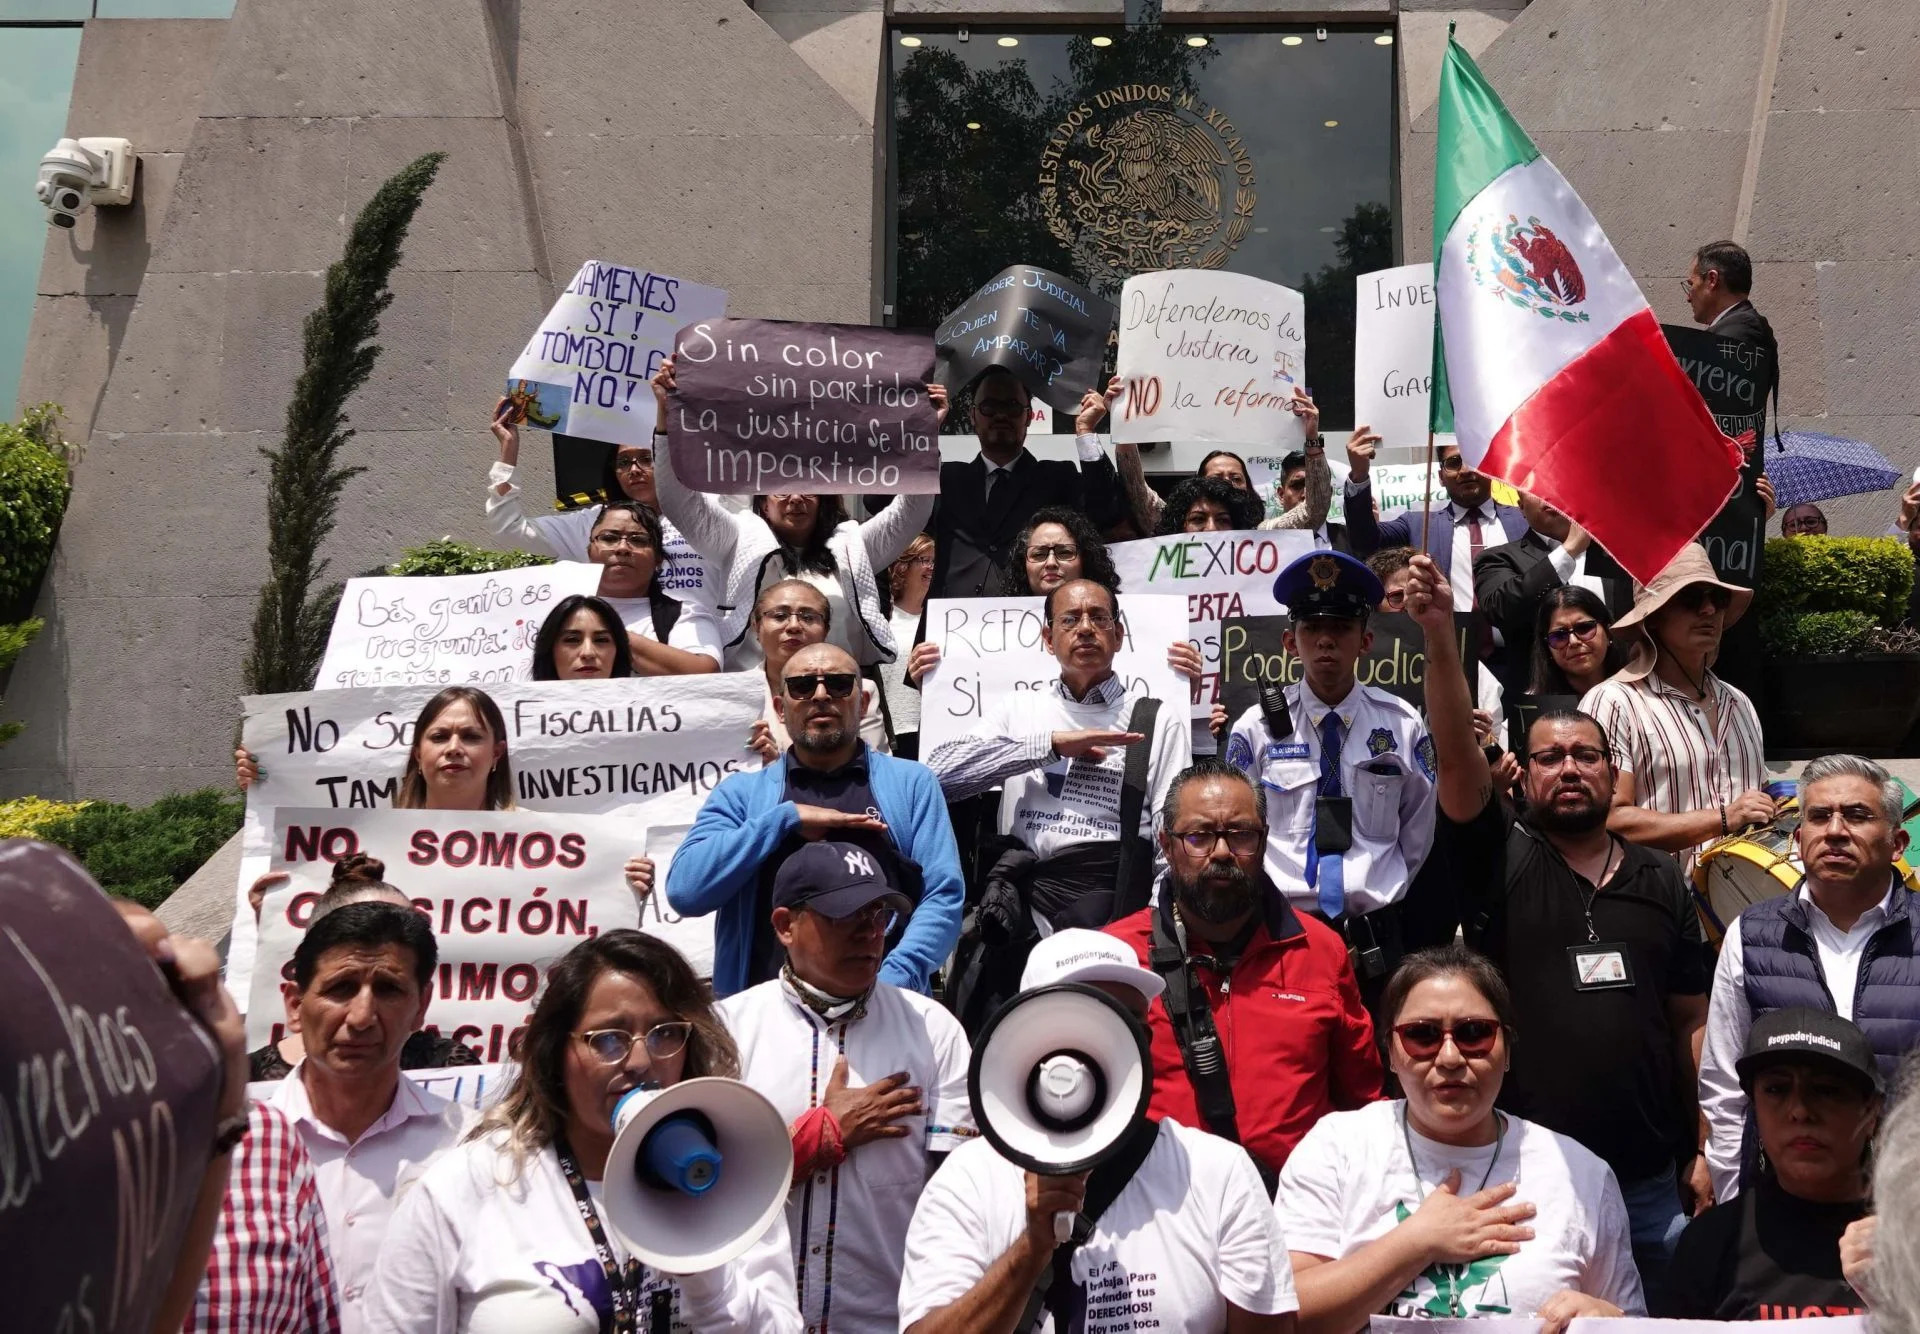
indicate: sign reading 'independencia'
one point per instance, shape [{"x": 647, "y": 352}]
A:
[{"x": 764, "y": 406}]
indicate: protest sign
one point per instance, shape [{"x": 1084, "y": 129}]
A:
[
  {"x": 1048, "y": 330},
  {"x": 1393, "y": 353},
  {"x": 1251, "y": 649},
  {"x": 989, "y": 646},
  {"x": 1212, "y": 357},
  {"x": 507, "y": 893},
  {"x": 1523, "y": 710},
  {"x": 475, "y": 1086},
  {"x": 1733, "y": 377},
  {"x": 647, "y": 747},
  {"x": 1220, "y": 575},
  {"x": 107, "y": 1118},
  {"x": 585, "y": 371},
  {"x": 765, "y": 405},
  {"x": 1484, "y": 1324},
  {"x": 456, "y": 629}
]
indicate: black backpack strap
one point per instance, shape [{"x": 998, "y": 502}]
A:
[
  {"x": 1133, "y": 883},
  {"x": 1104, "y": 1185}
]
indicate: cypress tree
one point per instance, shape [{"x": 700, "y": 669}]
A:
[{"x": 303, "y": 488}]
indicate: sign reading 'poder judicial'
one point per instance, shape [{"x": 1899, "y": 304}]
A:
[{"x": 766, "y": 406}]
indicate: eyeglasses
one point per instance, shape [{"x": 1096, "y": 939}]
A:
[
  {"x": 1581, "y": 630},
  {"x": 1241, "y": 842},
  {"x": 1073, "y": 620},
  {"x": 879, "y": 915},
  {"x": 612, "y": 1046},
  {"x": 1584, "y": 757},
  {"x": 1060, "y": 551},
  {"x": 804, "y": 615},
  {"x": 1851, "y": 816},
  {"x": 613, "y": 538},
  {"x": 633, "y": 463},
  {"x": 1002, "y": 408},
  {"x": 1472, "y": 1038},
  {"x": 838, "y": 684},
  {"x": 1694, "y": 597},
  {"x": 920, "y": 562},
  {"x": 1452, "y": 463},
  {"x": 1395, "y": 598}
]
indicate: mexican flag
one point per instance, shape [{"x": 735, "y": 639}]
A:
[{"x": 1549, "y": 366}]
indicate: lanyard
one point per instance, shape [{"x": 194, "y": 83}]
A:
[
  {"x": 1450, "y": 1280},
  {"x": 623, "y": 1281}
]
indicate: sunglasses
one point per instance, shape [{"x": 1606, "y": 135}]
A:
[
  {"x": 1696, "y": 596},
  {"x": 1061, "y": 553},
  {"x": 1472, "y": 1038},
  {"x": 612, "y": 1046},
  {"x": 1580, "y": 630},
  {"x": 839, "y": 684}
]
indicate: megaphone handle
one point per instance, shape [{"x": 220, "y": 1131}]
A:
[{"x": 1062, "y": 1228}]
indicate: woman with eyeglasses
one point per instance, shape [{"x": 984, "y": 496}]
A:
[
  {"x": 789, "y": 616},
  {"x": 665, "y": 637},
  {"x": 507, "y": 1231},
  {"x": 909, "y": 579},
  {"x": 1573, "y": 648},
  {"x": 1436, "y": 1205},
  {"x": 796, "y": 536}
]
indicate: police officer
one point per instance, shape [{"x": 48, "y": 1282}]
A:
[{"x": 1348, "y": 769}]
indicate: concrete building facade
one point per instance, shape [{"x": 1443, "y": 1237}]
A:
[{"x": 745, "y": 145}]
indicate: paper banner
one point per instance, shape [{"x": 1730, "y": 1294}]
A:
[
  {"x": 1211, "y": 357},
  {"x": 989, "y": 646},
  {"x": 764, "y": 406},
  {"x": 1393, "y": 353},
  {"x": 585, "y": 371},
  {"x": 456, "y": 629},
  {"x": 1048, "y": 330}
]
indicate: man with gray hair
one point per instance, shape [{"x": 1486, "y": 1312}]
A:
[{"x": 1844, "y": 942}]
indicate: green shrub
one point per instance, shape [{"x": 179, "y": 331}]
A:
[
  {"x": 447, "y": 556},
  {"x": 1873, "y": 575},
  {"x": 145, "y": 853},
  {"x": 1814, "y": 634},
  {"x": 33, "y": 495},
  {"x": 13, "y": 642},
  {"x": 25, "y": 817}
]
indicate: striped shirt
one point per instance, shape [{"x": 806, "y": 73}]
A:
[
  {"x": 269, "y": 1271},
  {"x": 1668, "y": 742}
]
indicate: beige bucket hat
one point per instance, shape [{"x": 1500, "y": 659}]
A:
[{"x": 1690, "y": 567}]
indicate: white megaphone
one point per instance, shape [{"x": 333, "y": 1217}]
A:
[
  {"x": 697, "y": 1173},
  {"x": 1060, "y": 1075}
]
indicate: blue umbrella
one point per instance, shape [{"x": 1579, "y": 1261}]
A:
[{"x": 1806, "y": 466}]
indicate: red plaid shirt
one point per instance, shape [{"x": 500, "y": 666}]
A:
[{"x": 269, "y": 1272}]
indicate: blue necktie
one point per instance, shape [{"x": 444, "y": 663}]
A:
[{"x": 1328, "y": 878}]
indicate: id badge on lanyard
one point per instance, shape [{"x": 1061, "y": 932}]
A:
[{"x": 1601, "y": 965}]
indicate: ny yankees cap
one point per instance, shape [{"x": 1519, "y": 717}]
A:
[
  {"x": 1795, "y": 1035},
  {"x": 835, "y": 880}
]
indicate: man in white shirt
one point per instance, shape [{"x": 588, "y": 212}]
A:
[
  {"x": 1847, "y": 941},
  {"x": 871, "y": 1078},
  {"x": 361, "y": 982},
  {"x": 1189, "y": 1242}
]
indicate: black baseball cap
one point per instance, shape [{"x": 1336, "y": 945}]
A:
[
  {"x": 1782, "y": 1037},
  {"x": 835, "y": 880}
]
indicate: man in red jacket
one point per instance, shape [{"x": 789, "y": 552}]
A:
[{"x": 1261, "y": 1030}]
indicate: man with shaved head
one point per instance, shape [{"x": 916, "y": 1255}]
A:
[{"x": 829, "y": 785}]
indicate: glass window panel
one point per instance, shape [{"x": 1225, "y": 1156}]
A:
[
  {"x": 45, "y": 9},
  {"x": 36, "y": 80},
  {"x": 1102, "y": 153},
  {"x": 164, "y": 9}
]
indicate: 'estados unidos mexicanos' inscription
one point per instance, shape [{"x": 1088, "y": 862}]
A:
[{"x": 1141, "y": 177}]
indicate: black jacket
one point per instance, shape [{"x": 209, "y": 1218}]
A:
[
  {"x": 1509, "y": 582},
  {"x": 971, "y": 538}
]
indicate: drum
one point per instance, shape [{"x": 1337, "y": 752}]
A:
[{"x": 1754, "y": 866}]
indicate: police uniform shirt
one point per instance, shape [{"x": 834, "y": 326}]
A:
[
  {"x": 849, "y": 1223},
  {"x": 1386, "y": 767}
]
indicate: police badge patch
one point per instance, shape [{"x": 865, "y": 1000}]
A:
[
  {"x": 1324, "y": 571},
  {"x": 1423, "y": 752},
  {"x": 1380, "y": 741},
  {"x": 1240, "y": 753}
]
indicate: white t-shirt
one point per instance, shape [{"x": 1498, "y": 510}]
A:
[
  {"x": 1192, "y": 1231},
  {"x": 903, "y": 701},
  {"x": 1348, "y": 1183},
  {"x": 467, "y": 1254},
  {"x": 694, "y": 629},
  {"x": 849, "y": 1224}
]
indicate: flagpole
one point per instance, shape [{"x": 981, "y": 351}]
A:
[{"x": 1426, "y": 494}]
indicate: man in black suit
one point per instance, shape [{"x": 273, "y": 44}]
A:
[
  {"x": 985, "y": 502},
  {"x": 1510, "y": 580}
]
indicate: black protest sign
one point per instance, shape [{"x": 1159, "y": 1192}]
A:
[
  {"x": 580, "y": 470},
  {"x": 1251, "y": 649},
  {"x": 1733, "y": 377},
  {"x": 1523, "y": 710},
  {"x": 1048, "y": 330},
  {"x": 108, "y": 1114},
  {"x": 763, "y": 406}
]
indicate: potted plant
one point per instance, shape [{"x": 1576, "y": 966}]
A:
[{"x": 1841, "y": 673}]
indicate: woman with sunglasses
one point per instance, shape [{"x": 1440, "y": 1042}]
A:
[
  {"x": 1437, "y": 1205},
  {"x": 793, "y": 536},
  {"x": 1573, "y": 648},
  {"x": 665, "y": 637},
  {"x": 507, "y": 1231}
]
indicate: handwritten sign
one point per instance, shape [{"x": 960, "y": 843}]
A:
[
  {"x": 1219, "y": 575},
  {"x": 1252, "y": 649},
  {"x": 761, "y": 405},
  {"x": 1048, "y": 330},
  {"x": 456, "y": 629},
  {"x": 1734, "y": 378},
  {"x": 1393, "y": 353},
  {"x": 651, "y": 748},
  {"x": 989, "y": 646},
  {"x": 107, "y": 1116},
  {"x": 1210, "y": 356},
  {"x": 507, "y": 893},
  {"x": 585, "y": 371}
]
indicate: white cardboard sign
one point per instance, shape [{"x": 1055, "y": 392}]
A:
[{"x": 1393, "y": 319}]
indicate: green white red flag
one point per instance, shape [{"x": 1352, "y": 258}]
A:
[{"x": 1549, "y": 366}]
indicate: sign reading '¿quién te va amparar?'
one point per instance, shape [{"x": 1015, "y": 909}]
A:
[
  {"x": 1045, "y": 329},
  {"x": 764, "y": 406}
]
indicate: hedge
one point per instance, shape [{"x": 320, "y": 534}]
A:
[
  {"x": 1872, "y": 575},
  {"x": 25, "y": 817},
  {"x": 447, "y": 556},
  {"x": 145, "y": 853},
  {"x": 33, "y": 495}
]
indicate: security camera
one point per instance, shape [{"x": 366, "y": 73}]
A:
[
  {"x": 964, "y": 34},
  {"x": 1319, "y": 34},
  {"x": 76, "y": 173}
]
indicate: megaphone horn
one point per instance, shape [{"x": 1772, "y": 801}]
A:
[{"x": 696, "y": 1174}]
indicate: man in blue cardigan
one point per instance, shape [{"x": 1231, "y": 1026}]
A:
[{"x": 827, "y": 785}]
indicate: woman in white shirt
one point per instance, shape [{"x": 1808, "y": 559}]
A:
[
  {"x": 1438, "y": 1205},
  {"x": 909, "y": 579},
  {"x": 504, "y": 1234},
  {"x": 667, "y": 637}
]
